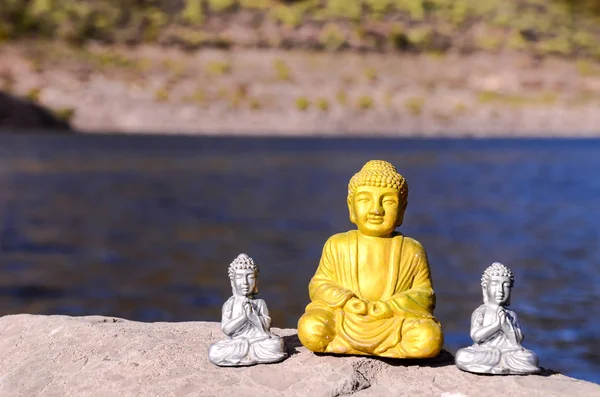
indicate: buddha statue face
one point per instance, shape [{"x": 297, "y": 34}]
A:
[
  {"x": 377, "y": 199},
  {"x": 496, "y": 284},
  {"x": 243, "y": 273},
  {"x": 244, "y": 282},
  {"x": 376, "y": 210},
  {"x": 498, "y": 290}
]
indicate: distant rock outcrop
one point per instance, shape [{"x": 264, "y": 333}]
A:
[
  {"x": 105, "y": 356},
  {"x": 17, "y": 115}
]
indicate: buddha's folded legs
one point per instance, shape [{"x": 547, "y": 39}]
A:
[
  {"x": 268, "y": 350},
  {"x": 492, "y": 360},
  {"x": 477, "y": 358},
  {"x": 421, "y": 338},
  {"x": 316, "y": 329},
  {"x": 228, "y": 352},
  {"x": 521, "y": 361}
]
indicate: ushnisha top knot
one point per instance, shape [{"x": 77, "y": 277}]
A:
[
  {"x": 496, "y": 269},
  {"x": 379, "y": 173},
  {"x": 242, "y": 262}
]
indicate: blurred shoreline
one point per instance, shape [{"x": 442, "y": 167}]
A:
[{"x": 165, "y": 90}]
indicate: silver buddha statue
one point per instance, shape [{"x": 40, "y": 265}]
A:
[
  {"x": 245, "y": 320},
  {"x": 496, "y": 331}
]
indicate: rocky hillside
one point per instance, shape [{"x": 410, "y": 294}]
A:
[
  {"x": 568, "y": 28},
  {"x": 298, "y": 67}
]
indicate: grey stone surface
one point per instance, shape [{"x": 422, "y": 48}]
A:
[{"x": 105, "y": 356}]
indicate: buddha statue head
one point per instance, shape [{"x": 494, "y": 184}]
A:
[
  {"x": 377, "y": 199},
  {"x": 243, "y": 273},
  {"x": 496, "y": 283}
]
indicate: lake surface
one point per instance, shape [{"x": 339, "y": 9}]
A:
[{"x": 145, "y": 227}]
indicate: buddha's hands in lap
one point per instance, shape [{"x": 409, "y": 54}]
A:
[
  {"x": 341, "y": 297},
  {"x": 380, "y": 310},
  {"x": 356, "y": 306}
]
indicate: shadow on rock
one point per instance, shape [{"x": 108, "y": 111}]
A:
[
  {"x": 18, "y": 115},
  {"x": 545, "y": 372},
  {"x": 291, "y": 344},
  {"x": 443, "y": 359}
]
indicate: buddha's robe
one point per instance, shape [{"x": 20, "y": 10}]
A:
[
  {"x": 249, "y": 343},
  {"x": 500, "y": 353},
  {"x": 404, "y": 327}
]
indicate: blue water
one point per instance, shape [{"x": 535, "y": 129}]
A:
[{"x": 145, "y": 227}]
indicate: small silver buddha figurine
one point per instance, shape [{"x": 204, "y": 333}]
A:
[
  {"x": 246, "y": 322},
  {"x": 496, "y": 331}
]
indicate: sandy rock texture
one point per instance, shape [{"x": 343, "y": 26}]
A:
[
  {"x": 156, "y": 90},
  {"x": 105, "y": 356}
]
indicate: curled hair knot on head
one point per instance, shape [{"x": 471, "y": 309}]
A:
[
  {"x": 496, "y": 269},
  {"x": 242, "y": 262},
  {"x": 379, "y": 173}
]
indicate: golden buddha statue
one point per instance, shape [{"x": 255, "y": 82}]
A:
[{"x": 372, "y": 292}]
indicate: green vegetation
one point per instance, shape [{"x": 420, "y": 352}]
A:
[
  {"x": 108, "y": 59},
  {"x": 420, "y": 37},
  {"x": 371, "y": 74},
  {"x": 254, "y": 104},
  {"x": 415, "y": 105},
  {"x": 192, "y": 12},
  {"x": 342, "y": 97},
  {"x": 177, "y": 69},
  {"x": 378, "y": 8},
  {"x": 560, "y": 45},
  {"x": 65, "y": 114},
  {"x": 554, "y": 27},
  {"x": 344, "y": 9},
  {"x": 323, "y": 104},
  {"x": 489, "y": 42},
  {"x": 365, "y": 102},
  {"x": 516, "y": 42},
  {"x": 332, "y": 37},
  {"x": 33, "y": 94},
  {"x": 255, "y": 4},
  {"x": 290, "y": 16},
  {"x": 161, "y": 95},
  {"x": 220, "y": 5},
  {"x": 544, "y": 98},
  {"x": 302, "y": 103},
  {"x": 586, "y": 68},
  {"x": 282, "y": 70},
  {"x": 198, "y": 97},
  {"x": 217, "y": 68},
  {"x": 460, "y": 109}
]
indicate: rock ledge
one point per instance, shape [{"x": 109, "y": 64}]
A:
[{"x": 105, "y": 356}]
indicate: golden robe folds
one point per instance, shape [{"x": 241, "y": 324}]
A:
[{"x": 337, "y": 321}]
